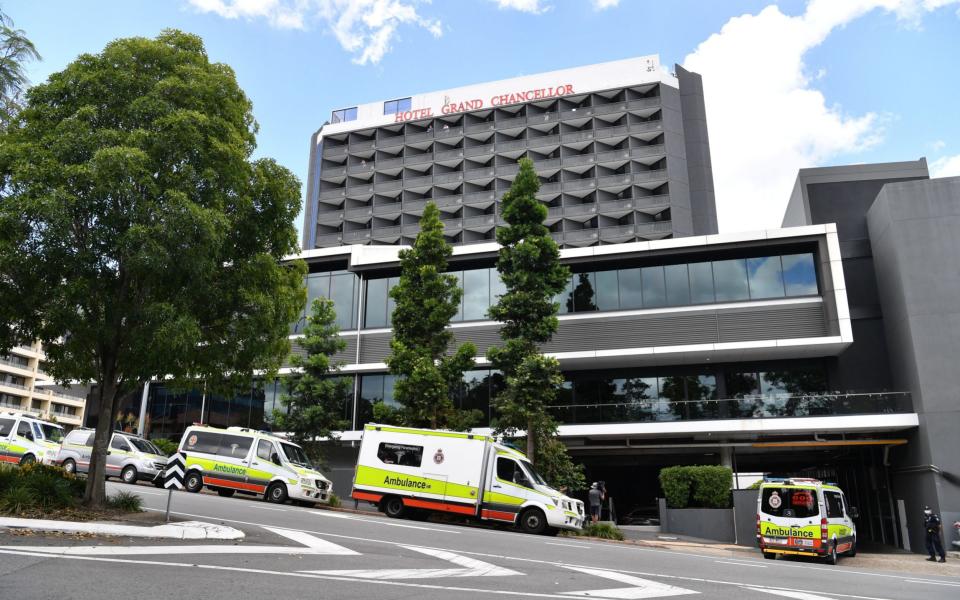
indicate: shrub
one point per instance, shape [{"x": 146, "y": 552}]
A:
[
  {"x": 166, "y": 446},
  {"x": 18, "y": 500},
  {"x": 52, "y": 490},
  {"x": 335, "y": 501},
  {"x": 125, "y": 501},
  {"x": 602, "y": 530},
  {"x": 702, "y": 486},
  {"x": 8, "y": 477}
]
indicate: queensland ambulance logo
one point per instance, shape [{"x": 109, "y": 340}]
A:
[
  {"x": 192, "y": 440},
  {"x": 774, "y": 501},
  {"x": 438, "y": 456}
]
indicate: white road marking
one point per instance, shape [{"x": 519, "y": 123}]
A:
[
  {"x": 568, "y": 545},
  {"x": 788, "y": 593},
  {"x": 379, "y": 521},
  {"x": 639, "y": 588},
  {"x": 316, "y": 545},
  {"x": 739, "y": 564},
  {"x": 150, "y": 493},
  {"x": 269, "y": 508},
  {"x": 932, "y": 582},
  {"x": 470, "y": 567}
]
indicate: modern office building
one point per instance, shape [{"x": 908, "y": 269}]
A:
[{"x": 24, "y": 388}]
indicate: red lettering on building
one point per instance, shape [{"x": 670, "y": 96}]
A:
[{"x": 476, "y": 103}]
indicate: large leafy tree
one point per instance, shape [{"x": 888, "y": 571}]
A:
[
  {"x": 137, "y": 238},
  {"x": 426, "y": 299},
  {"x": 529, "y": 265},
  {"x": 315, "y": 403},
  {"x": 16, "y": 50}
]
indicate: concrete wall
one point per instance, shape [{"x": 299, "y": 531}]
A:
[
  {"x": 913, "y": 232},
  {"x": 745, "y": 507},
  {"x": 704, "y": 523},
  {"x": 703, "y": 204}
]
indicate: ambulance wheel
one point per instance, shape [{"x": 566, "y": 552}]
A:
[
  {"x": 28, "y": 459},
  {"x": 69, "y": 466},
  {"x": 224, "y": 492},
  {"x": 853, "y": 549},
  {"x": 193, "y": 482},
  {"x": 832, "y": 557},
  {"x": 276, "y": 493},
  {"x": 129, "y": 474},
  {"x": 770, "y": 555},
  {"x": 533, "y": 521},
  {"x": 393, "y": 507}
]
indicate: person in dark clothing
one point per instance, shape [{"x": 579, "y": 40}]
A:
[
  {"x": 933, "y": 526},
  {"x": 595, "y": 495}
]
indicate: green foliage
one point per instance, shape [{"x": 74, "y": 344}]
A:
[
  {"x": 706, "y": 486},
  {"x": 137, "y": 237},
  {"x": 529, "y": 265},
  {"x": 37, "y": 489},
  {"x": 16, "y": 50},
  {"x": 126, "y": 502},
  {"x": 755, "y": 485},
  {"x": 334, "y": 501},
  {"x": 18, "y": 500},
  {"x": 388, "y": 415},
  {"x": 605, "y": 531},
  {"x": 315, "y": 403},
  {"x": 426, "y": 299},
  {"x": 166, "y": 446}
]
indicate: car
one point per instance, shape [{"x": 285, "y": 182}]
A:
[
  {"x": 25, "y": 439},
  {"x": 130, "y": 457}
]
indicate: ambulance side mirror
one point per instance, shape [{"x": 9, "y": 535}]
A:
[
  {"x": 275, "y": 458},
  {"x": 854, "y": 513}
]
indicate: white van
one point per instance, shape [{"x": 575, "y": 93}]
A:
[
  {"x": 130, "y": 457},
  {"x": 407, "y": 471},
  {"x": 805, "y": 517},
  {"x": 25, "y": 439},
  {"x": 243, "y": 460}
]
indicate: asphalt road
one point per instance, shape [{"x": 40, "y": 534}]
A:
[{"x": 304, "y": 553}]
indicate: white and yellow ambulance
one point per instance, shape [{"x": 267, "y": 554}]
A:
[
  {"x": 25, "y": 439},
  {"x": 805, "y": 517},
  {"x": 410, "y": 472},
  {"x": 243, "y": 460}
]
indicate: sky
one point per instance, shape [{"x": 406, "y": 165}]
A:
[{"x": 789, "y": 85}]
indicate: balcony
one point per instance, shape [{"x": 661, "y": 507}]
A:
[
  {"x": 575, "y": 113},
  {"x": 644, "y": 103},
  {"x": 543, "y": 140},
  {"x": 616, "y": 180},
  {"x": 415, "y": 205},
  {"x": 360, "y": 190},
  {"x": 448, "y": 178},
  {"x": 580, "y": 159},
  {"x": 654, "y": 227},
  {"x": 363, "y": 211},
  {"x": 10, "y": 384},
  {"x": 419, "y": 137},
  {"x": 423, "y": 181},
  {"x": 390, "y": 141},
  {"x": 386, "y": 186},
  {"x": 484, "y": 196},
  {"x": 328, "y": 239},
  {"x": 512, "y": 123},
  {"x": 646, "y": 126},
  {"x": 330, "y": 216},
  {"x": 644, "y": 151},
  {"x": 386, "y": 232},
  {"x": 648, "y": 201},
  {"x": 362, "y": 145},
  {"x": 546, "y": 164},
  {"x": 334, "y": 151},
  {"x": 612, "y": 155},
  {"x": 478, "y": 150},
  {"x": 649, "y": 175},
  {"x": 480, "y": 127},
  {"x": 511, "y": 145},
  {"x": 608, "y": 132},
  {"x": 448, "y": 154},
  {"x": 386, "y": 163},
  {"x": 333, "y": 194},
  {"x": 573, "y": 210},
  {"x": 549, "y": 188},
  {"x": 655, "y": 410},
  {"x": 606, "y": 109},
  {"x": 549, "y": 117},
  {"x": 507, "y": 170},
  {"x": 617, "y": 205},
  {"x": 579, "y": 184},
  {"x": 616, "y": 232},
  {"x": 417, "y": 159},
  {"x": 580, "y": 235},
  {"x": 357, "y": 235},
  {"x": 332, "y": 171},
  {"x": 361, "y": 168},
  {"x": 390, "y": 208},
  {"x": 447, "y": 201},
  {"x": 577, "y": 136},
  {"x": 483, "y": 173},
  {"x": 479, "y": 221}
]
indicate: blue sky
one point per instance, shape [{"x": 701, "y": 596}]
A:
[{"x": 789, "y": 84}]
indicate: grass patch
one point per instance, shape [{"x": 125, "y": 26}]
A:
[
  {"x": 126, "y": 502},
  {"x": 335, "y": 501},
  {"x": 598, "y": 530}
]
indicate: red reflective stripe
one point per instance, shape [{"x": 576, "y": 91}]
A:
[
  {"x": 498, "y": 515},
  {"x": 12, "y": 459},
  {"x": 367, "y": 496},
  {"x": 441, "y": 506},
  {"x": 250, "y": 487}
]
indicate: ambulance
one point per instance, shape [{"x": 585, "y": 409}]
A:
[
  {"x": 805, "y": 517},
  {"x": 244, "y": 460},
  {"x": 129, "y": 457},
  {"x": 25, "y": 439},
  {"x": 411, "y": 472}
]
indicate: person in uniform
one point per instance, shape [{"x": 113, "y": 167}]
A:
[{"x": 933, "y": 526}]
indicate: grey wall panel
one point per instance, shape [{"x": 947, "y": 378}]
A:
[
  {"x": 348, "y": 356},
  {"x": 775, "y": 323},
  {"x": 374, "y": 347}
]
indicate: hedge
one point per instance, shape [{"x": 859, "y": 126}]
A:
[{"x": 702, "y": 486}]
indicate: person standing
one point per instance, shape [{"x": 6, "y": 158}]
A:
[
  {"x": 933, "y": 526},
  {"x": 595, "y": 496}
]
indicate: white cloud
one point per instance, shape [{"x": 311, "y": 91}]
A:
[
  {"x": 604, "y": 4},
  {"x": 946, "y": 166},
  {"x": 365, "y": 28},
  {"x": 528, "y": 6},
  {"x": 766, "y": 119},
  {"x": 937, "y": 145}
]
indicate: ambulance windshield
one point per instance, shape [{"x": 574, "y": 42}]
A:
[
  {"x": 296, "y": 455},
  {"x": 533, "y": 472},
  {"x": 54, "y": 433},
  {"x": 790, "y": 503}
]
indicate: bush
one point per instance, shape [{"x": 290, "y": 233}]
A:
[
  {"x": 37, "y": 488},
  {"x": 166, "y": 446},
  {"x": 601, "y": 530},
  {"x": 706, "y": 486},
  {"x": 125, "y": 501},
  {"x": 334, "y": 501},
  {"x": 18, "y": 500}
]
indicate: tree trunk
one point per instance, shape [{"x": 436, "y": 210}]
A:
[
  {"x": 96, "y": 493},
  {"x": 531, "y": 441}
]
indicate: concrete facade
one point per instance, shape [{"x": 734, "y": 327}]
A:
[{"x": 25, "y": 388}]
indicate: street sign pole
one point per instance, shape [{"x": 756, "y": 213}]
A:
[{"x": 173, "y": 476}]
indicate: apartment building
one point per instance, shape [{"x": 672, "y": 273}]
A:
[{"x": 23, "y": 388}]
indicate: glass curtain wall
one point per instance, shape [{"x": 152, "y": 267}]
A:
[{"x": 343, "y": 287}]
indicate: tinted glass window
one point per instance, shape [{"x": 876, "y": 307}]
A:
[
  {"x": 834, "y": 505},
  {"x": 791, "y": 503},
  {"x": 376, "y": 308},
  {"x": 678, "y": 285},
  {"x": 509, "y": 470},
  {"x": 701, "y": 282},
  {"x": 584, "y": 293},
  {"x": 202, "y": 441},
  {"x": 799, "y": 275},
  {"x": 403, "y": 455},
  {"x": 608, "y": 293},
  {"x": 476, "y": 294},
  {"x": 497, "y": 288},
  {"x": 564, "y": 298},
  {"x": 459, "y": 276},
  {"x": 765, "y": 276},
  {"x": 265, "y": 450},
  {"x": 630, "y": 289},
  {"x": 6, "y": 426},
  {"x": 342, "y": 294},
  {"x": 234, "y": 446},
  {"x": 118, "y": 443},
  {"x": 74, "y": 437},
  {"x": 730, "y": 280},
  {"x": 23, "y": 429},
  {"x": 654, "y": 288}
]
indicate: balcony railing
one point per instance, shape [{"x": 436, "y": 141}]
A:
[
  {"x": 386, "y": 209},
  {"x": 655, "y": 227},
  {"x": 331, "y": 194},
  {"x": 449, "y": 132},
  {"x": 332, "y": 171},
  {"x": 484, "y": 196},
  {"x": 656, "y": 410},
  {"x": 644, "y": 102},
  {"x": 481, "y": 173},
  {"x": 386, "y": 186},
  {"x": 606, "y": 109},
  {"x": 646, "y": 126},
  {"x": 386, "y": 163},
  {"x": 448, "y": 177},
  {"x": 479, "y": 127},
  {"x": 543, "y": 140},
  {"x": 478, "y": 150},
  {"x": 511, "y": 145},
  {"x": 510, "y": 123},
  {"x": 334, "y": 150},
  {"x": 390, "y": 141},
  {"x": 648, "y": 175}
]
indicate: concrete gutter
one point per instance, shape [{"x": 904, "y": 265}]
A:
[{"x": 187, "y": 530}]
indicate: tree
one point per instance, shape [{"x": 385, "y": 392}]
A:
[
  {"x": 137, "y": 238},
  {"x": 426, "y": 299},
  {"x": 529, "y": 265},
  {"x": 315, "y": 403},
  {"x": 15, "y": 51}
]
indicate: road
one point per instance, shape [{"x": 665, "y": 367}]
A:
[{"x": 294, "y": 552}]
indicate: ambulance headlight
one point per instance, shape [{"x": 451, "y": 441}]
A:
[
  {"x": 51, "y": 453},
  {"x": 306, "y": 482}
]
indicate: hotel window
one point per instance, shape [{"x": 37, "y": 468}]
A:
[
  {"x": 344, "y": 115},
  {"x": 392, "y": 107}
]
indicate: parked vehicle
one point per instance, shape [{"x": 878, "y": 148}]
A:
[
  {"x": 25, "y": 439},
  {"x": 805, "y": 517},
  {"x": 129, "y": 457},
  {"x": 409, "y": 472},
  {"x": 243, "y": 460}
]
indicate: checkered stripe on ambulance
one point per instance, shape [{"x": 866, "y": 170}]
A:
[{"x": 249, "y": 461}]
